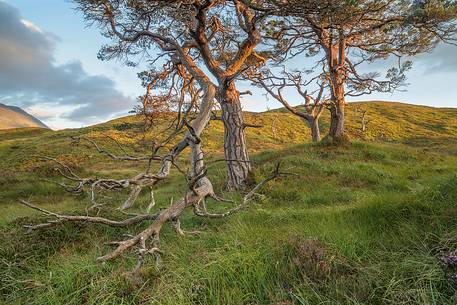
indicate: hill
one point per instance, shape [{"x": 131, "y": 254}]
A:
[
  {"x": 14, "y": 117},
  {"x": 362, "y": 224},
  {"x": 431, "y": 128}
]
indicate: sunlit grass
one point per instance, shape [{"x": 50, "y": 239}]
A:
[{"x": 361, "y": 224}]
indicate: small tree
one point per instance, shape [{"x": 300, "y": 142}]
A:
[
  {"x": 311, "y": 109},
  {"x": 363, "y": 118},
  {"x": 274, "y": 124}
]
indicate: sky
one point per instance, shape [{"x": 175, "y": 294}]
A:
[{"x": 49, "y": 67}]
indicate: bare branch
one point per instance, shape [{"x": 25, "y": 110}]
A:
[{"x": 85, "y": 219}]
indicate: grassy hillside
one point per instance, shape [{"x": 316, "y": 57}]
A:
[
  {"x": 15, "y": 117},
  {"x": 362, "y": 224},
  {"x": 420, "y": 126}
]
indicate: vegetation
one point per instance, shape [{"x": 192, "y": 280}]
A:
[
  {"x": 344, "y": 38},
  {"x": 365, "y": 223},
  {"x": 336, "y": 221}
]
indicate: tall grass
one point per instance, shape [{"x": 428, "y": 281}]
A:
[{"x": 364, "y": 224}]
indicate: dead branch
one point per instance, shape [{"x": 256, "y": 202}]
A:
[
  {"x": 147, "y": 240},
  {"x": 200, "y": 209},
  {"x": 60, "y": 218},
  {"x": 113, "y": 156}
]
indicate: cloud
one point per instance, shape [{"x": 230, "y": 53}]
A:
[
  {"x": 42, "y": 112},
  {"x": 31, "y": 26},
  {"x": 442, "y": 59},
  {"x": 30, "y": 77}
]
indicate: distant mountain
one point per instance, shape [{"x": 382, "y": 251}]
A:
[{"x": 15, "y": 117}]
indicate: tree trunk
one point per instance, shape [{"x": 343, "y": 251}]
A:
[
  {"x": 364, "y": 123},
  {"x": 235, "y": 149},
  {"x": 315, "y": 132},
  {"x": 337, "y": 122},
  {"x": 336, "y": 61}
]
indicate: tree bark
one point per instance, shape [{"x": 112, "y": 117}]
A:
[
  {"x": 235, "y": 149},
  {"x": 336, "y": 56},
  {"x": 337, "y": 131},
  {"x": 315, "y": 131}
]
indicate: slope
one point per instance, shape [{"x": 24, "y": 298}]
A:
[
  {"x": 361, "y": 224},
  {"x": 14, "y": 117}
]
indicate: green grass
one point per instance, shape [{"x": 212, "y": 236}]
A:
[{"x": 361, "y": 224}]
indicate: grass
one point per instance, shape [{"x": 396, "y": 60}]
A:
[{"x": 361, "y": 224}]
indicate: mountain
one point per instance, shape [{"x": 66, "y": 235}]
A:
[{"x": 14, "y": 117}]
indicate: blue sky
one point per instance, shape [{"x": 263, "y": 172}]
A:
[
  {"x": 76, "y": 41},
  {"x": 70, "y": 98}
]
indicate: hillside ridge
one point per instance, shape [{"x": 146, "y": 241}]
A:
[
  {"x": 14, "y": 117},
  {"x": 431, "y": 129}
]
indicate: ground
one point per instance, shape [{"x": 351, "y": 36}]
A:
[{"x": 365, "y": 223}]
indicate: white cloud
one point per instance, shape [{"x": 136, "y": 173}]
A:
[
  {"x": 29, "y": 77},
  {"x": 31, "y": 26}
]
